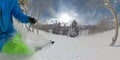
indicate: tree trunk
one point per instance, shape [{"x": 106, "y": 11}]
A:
[{"x": 115, "y": 21}]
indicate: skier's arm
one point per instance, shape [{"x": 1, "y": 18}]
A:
[{"x": 18, "y": 14}]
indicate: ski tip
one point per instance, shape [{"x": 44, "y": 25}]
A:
[{"x": 52, "y": 42}]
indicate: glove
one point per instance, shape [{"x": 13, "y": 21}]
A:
[{"x": 32, "y": 20}]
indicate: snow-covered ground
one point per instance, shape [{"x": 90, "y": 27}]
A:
[{"x": 94, "y": 47}]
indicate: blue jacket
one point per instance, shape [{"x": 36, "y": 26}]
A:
[{"x": 8, "y": 9}]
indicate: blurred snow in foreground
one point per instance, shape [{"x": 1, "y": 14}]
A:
[{"x": 94, "y": 47}]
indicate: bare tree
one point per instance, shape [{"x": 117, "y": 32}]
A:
[
  {"x": 115, "y": 20},
  {"x": 103, "y": 25},
  {"x": 28, "y": 6}
]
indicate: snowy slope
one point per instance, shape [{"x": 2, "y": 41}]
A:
[{"x": 94, "y": 47}]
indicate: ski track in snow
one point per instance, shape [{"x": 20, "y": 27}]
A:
[{"x": 94, "y": 47}]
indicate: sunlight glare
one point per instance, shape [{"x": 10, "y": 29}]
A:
[{"x": 65, "y": 18}]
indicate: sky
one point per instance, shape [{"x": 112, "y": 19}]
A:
[{"x": 86, "y": 12}]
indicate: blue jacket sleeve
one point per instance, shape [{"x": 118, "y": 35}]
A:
[{"x": 18, "y": 14}]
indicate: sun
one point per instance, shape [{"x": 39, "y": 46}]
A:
[{"x": 64, "y": 18}]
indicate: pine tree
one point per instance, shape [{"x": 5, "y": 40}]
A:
[{"x": 74, "y": 30}]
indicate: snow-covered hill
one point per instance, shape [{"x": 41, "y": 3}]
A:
[{"x": 94, "y": 47}]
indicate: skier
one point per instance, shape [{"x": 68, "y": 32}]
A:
[{"x": 10, "y": 40}]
